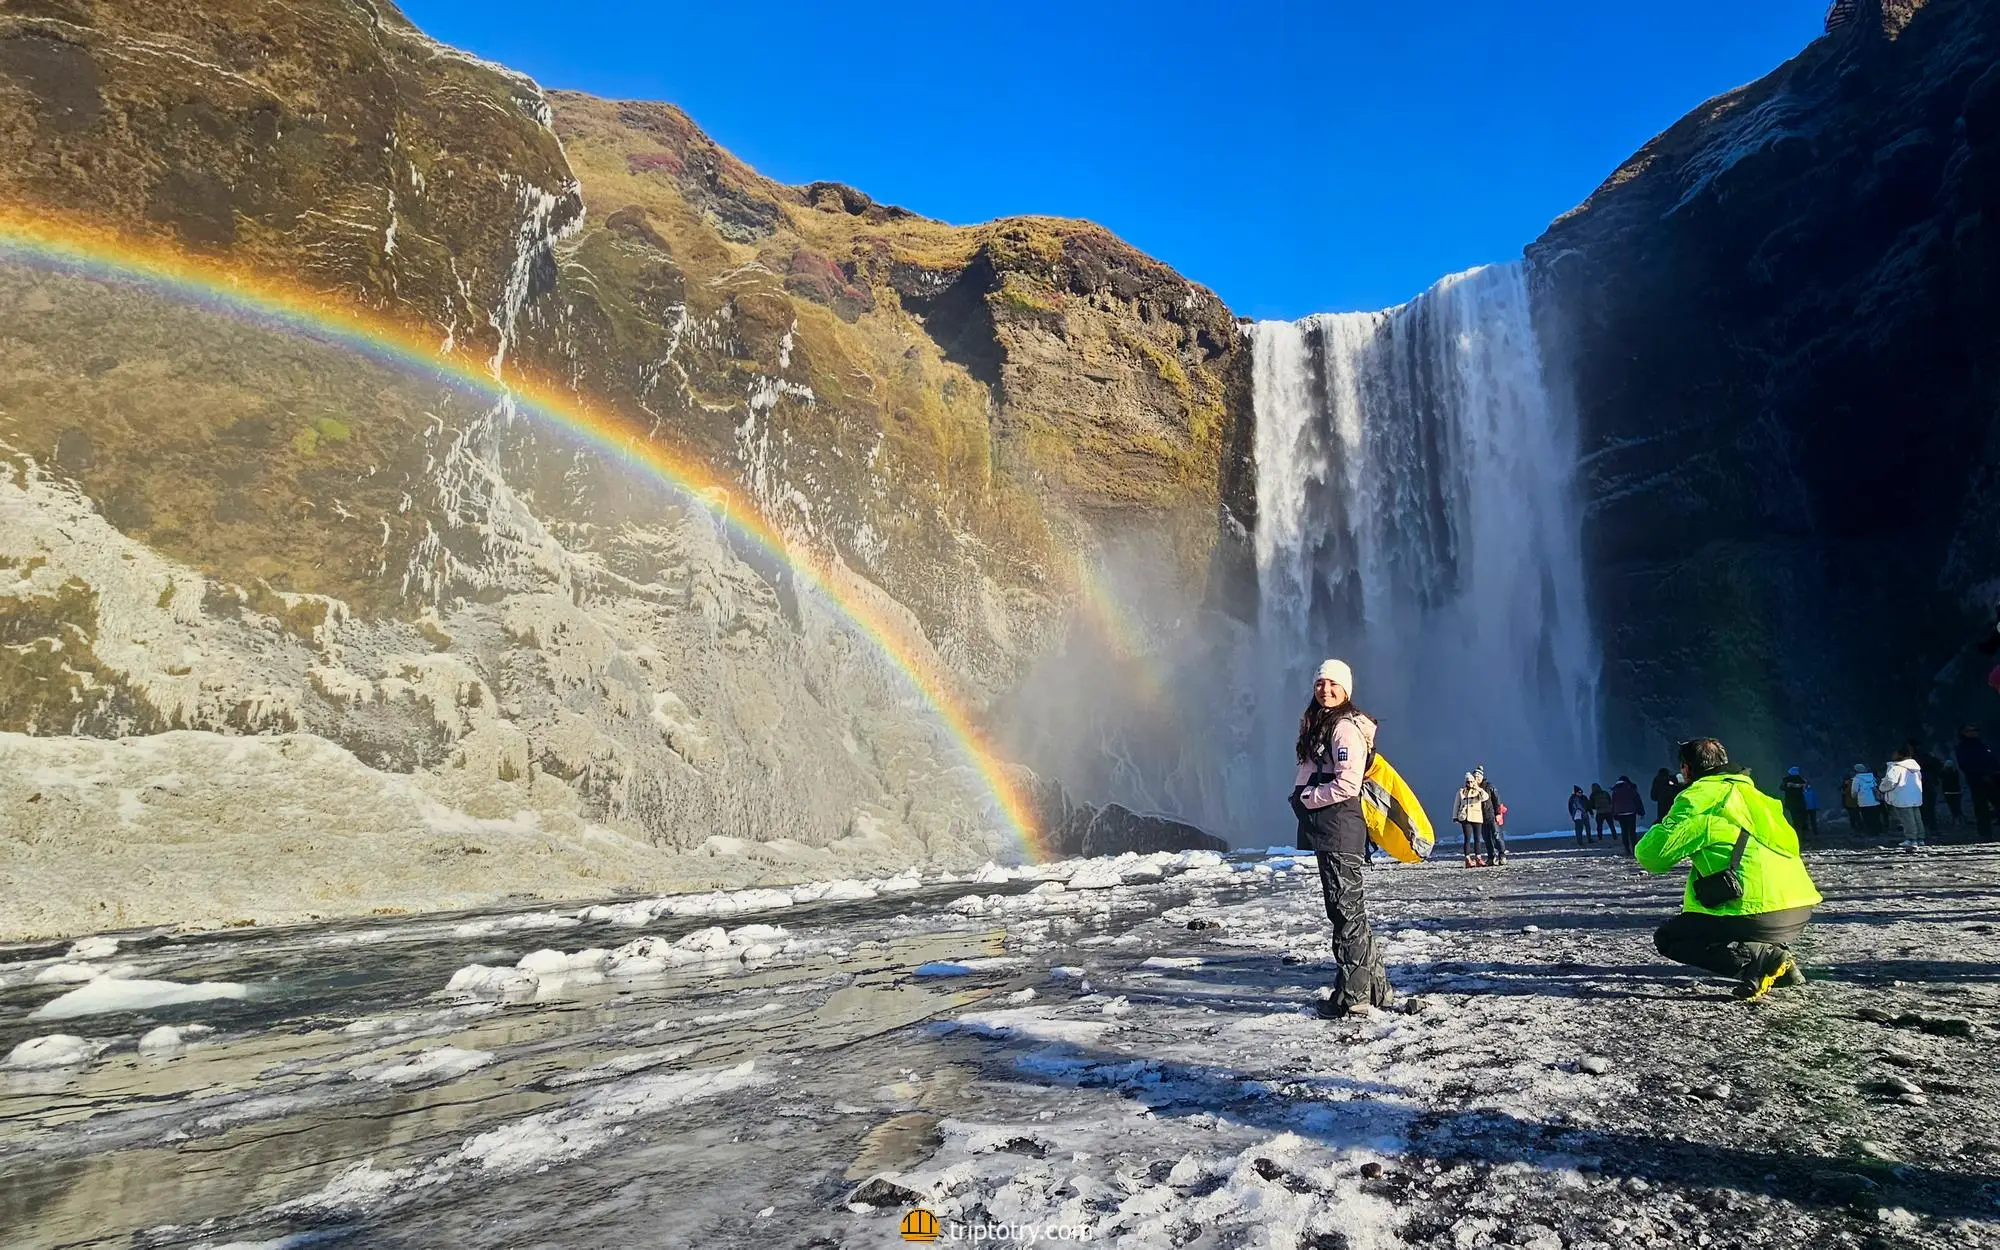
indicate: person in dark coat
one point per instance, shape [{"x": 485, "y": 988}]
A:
[
  {"x": 1665, "y": 787},
  {"x": 1600, "y": 808},
  {"x": 1626, "y": 808},
  {"x": 1579, "y": 813},
  {"x": 1930, "y": 765},
  {"x": 1496, "y": 841},
  {"x": 1980, "y": 770},
  {"x": 1953, "y": 785},
  {"x": 1793, "y": 791}
]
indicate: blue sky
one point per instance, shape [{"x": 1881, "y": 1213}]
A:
[{"x": 1297, "y": 157}]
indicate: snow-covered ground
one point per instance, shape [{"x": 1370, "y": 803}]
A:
[{"x": 1112, "y": 1052}]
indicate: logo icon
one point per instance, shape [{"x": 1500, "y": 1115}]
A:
[{"x": 920, "y": 1225}]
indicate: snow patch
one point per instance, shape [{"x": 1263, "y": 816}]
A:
[{"x": 112, "y": 994}]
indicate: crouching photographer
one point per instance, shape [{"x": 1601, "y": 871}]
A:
[{"x": 1748, "y": 893}]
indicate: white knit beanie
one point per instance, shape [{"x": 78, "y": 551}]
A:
[{"x": 1337, "y": 671}]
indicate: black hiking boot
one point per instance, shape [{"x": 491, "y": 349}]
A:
[{"x": 1768, "y": 965}]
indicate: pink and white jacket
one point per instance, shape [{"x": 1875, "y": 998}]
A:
[{"x": 1353, "y": 739}]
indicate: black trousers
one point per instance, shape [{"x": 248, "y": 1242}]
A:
[
  {"x": 1795, "y": 812},
  {"x": 1582, "y": 829},
  {"x": 1628, "y": 832},
  {"x": 1496, "y": 842},
  {"x": 1726, "y": 944},
  {"x": 1603, "y": 824},
  {"x": 1982, "y": 806},
  {"x": 1339, "y": 836},
  {"x": 1468, "y": 832}
]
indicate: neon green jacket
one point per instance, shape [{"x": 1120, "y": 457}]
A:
[{"x": 1702, "y": 826}]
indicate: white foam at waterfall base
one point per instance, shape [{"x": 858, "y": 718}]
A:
[{"x": 1417, "y": 516}]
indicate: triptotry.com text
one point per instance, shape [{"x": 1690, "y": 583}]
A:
[{"x": 1007, "y": 1234}]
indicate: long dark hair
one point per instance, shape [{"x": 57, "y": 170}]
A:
[{"x": 1316, "y": 728}]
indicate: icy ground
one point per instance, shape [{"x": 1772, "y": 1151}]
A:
[{"x": 1128, "y": 1057}]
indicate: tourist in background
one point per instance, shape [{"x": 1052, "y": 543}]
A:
[
  {"x": 1931, "y": 766},
  {"x": 1665, "y": 787},
  {"x": 1903, "y": 795},
  {"x": 1470, "y": 812},
  {"x": 1336, "y": 740},
  {"x": 1720, "y": 821},
  {"x": 1626, "y": 808},
  {"x": 1951, "y": 784},
  {"x": 1867, "y": 801},
  {"x": 1812, "y": 812},
  {"x": 1977, "y": 765},
  {"x": 1496, "y": 813},
  {"x": 1579, "y": 813},
  {"x": 1792, "y": 791},
  {"x": 1600, "y": 808}
]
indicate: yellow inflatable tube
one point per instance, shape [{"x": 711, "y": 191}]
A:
[{"x": 1396, "y": 821}]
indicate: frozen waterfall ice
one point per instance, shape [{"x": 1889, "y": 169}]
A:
[{"x": 1417, "y": 515}]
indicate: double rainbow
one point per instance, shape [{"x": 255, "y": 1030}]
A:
[{"x": 38, "y": 239}]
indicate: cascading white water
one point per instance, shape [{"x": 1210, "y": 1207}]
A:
[{"x": 1416, "y": 515}]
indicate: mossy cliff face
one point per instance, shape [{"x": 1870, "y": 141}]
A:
[
  {"x": 283, "y": 534},
  {"x": 1782, "y": 319}
]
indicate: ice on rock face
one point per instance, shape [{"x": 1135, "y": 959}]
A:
[
  {"x": 57, "y": 1050},
  {"x": 709, "y": 941},
  {"x": 508, "y": 985},
  {"x": 442, "y": 1064},
  {"x": 1095, "y": 875},
  {"x": 170, "y": 1040},
  {"x": 94, "y": 948},
  {"x": 67, "y": 974},
  {"x": 552, "y": 962},
  {"x": 516, "y": 924},
  {"x": 109, "y": 994},
  {"x": 846, "y": 892},
  {"x": 553, "y": 1136}
]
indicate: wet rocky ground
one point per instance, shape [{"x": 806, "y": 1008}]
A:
[{"x": 1114, "y": 1052}]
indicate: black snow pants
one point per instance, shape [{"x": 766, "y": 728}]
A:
[
  {"x": 1628, "y": 832},
  {"x": 1727, "y": 944},
  {"x": 1339, "y": 835},
  {"x": 1496, "y": 842}
]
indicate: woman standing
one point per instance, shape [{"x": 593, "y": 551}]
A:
[
  {"x": 1336, "y": 741},
  {"x": 1470, "y": 812}
]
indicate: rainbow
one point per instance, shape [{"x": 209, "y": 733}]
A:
[{"x": 38, "y": 239}]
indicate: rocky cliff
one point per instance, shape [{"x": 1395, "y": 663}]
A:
[
  {"x": 1782, "y": 322},
  {"x": 217, "y": 527}
]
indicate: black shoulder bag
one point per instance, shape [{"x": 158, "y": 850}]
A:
[{"x": 1720, "y": 889}]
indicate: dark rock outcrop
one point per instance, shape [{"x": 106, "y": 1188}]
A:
[
  {"x": 1072, "y": 828},
  {"x": 1782, "y": 322}
]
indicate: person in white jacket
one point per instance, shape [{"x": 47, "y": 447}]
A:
[
  {"x": 1470, "y": 813},
  {"x": 1865, "y": 813},
  {"x": 1903, "y": 794}
]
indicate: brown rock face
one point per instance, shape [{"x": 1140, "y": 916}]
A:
[
  {"x": 948, "y": 418},
  {"x": 1782, "y": 323}
]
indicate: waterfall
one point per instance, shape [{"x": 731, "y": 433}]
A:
[{"x": 1417, "y": 516}]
